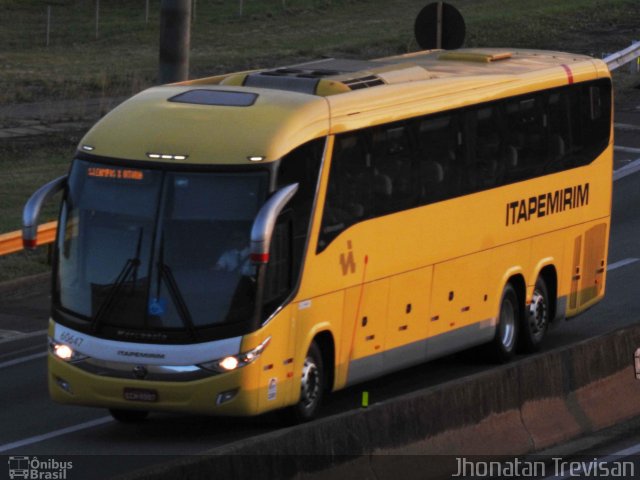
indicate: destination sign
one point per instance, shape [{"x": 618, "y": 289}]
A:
[{"x": 116, "y": 173}]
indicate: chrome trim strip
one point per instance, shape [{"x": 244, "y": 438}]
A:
[
  {"x": 421, "y": 351},
  {"x": 144, "y": 353},
  {"x": 144, "y": 372}
]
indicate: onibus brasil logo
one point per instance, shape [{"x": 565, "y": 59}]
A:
[{"x": 35, "y": 469}]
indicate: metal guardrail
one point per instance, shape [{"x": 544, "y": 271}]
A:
[
  {"x": 12, "y": 242},
  {"x": 623, "y": 57}
]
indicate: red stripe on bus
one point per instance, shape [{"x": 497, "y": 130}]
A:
[{"x": 569, "y": 73}]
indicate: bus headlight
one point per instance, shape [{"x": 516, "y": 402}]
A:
[
  {"x": 232, "y": 362},
  {"x": 64, "y": 351}
]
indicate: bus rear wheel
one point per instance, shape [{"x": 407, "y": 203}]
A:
[
  {"x": 536, "y": 319},
  {"x": 503, "y": 346},
  {"x": 312, "y": 386},
  {"x": 128, "y": 416}
]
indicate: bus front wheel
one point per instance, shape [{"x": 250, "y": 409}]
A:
[
  {"x": 536, "y": 321},
  {"x": 503, "y": 346},
  {"x": 312, "y": 386}
]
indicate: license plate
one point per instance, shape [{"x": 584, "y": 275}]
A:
[{"x": 140, "y": 395}]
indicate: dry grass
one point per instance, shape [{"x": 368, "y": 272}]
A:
[{"x": 123, "y": 60}]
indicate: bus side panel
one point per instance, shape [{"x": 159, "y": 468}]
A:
[
  {"x": 546, "y": 250},
  {"x": 595, "y": 239},
  {"x": 365, "y": 325},
  {"x": 407, "y": 319},
  {"x": 461, "y": 311},
  {"x": 408, "y": 309},
  {"x": 588, "y": 245},
  {"x": 276, "y": 371}
]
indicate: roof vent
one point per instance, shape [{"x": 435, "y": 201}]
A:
[
  {"x": 364, "y": 82},
  {"x": 482, "y": 57},
  {"x": 221, "y": 98}
]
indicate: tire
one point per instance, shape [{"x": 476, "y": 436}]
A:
[
  {"x": 128, "y": 416},
  {"x": 312, "y": 386},
  {"x": 536, "y": 319},
  {"x": 503, "y": 345}
]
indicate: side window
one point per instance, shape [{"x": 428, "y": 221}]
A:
[
  {"x": 485, "y": 146},
  {"x": 301, "y": 166},
  {"x": 438, "y": 171},
  {"x": 579, "y": 121},
  {"x": 561, "y": 129},
  {"x": 596, "y": 118},
  {"x": 526, "y": 138},
  {"x": 392, "y": 176},
  {"x": 390, "y": 168},
  {"x": 349, "y": 197}
]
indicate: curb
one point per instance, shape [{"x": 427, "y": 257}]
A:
[{"x": 511, "y": 410}]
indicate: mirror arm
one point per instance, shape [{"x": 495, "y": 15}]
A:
[
  {"x": 31, "y": 211},
  {"x": 263, "y": 225}
]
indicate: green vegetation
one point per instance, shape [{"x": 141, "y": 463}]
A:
[
  {"x": 26, "y": 164},
  {"x": 123, "y": 59}
]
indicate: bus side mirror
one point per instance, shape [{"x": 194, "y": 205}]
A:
[
  {"x": 32, "y": 208},
  {"x": 263, "y": 225}
]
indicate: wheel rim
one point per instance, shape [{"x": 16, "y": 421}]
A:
[
  {"x": 507, "y": 324},
  {"x": 538, "y": 315},
  {"x": 310, "y": 386}
]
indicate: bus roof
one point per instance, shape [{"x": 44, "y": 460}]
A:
[{"x": 228, "y": 119}]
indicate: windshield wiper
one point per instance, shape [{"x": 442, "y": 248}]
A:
[
  {"x": 166, "y": 274},
  {"x": 131, "y": 265},
  {"x": 178, "y": 299}
]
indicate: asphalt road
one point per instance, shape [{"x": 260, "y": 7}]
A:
[{"x": 33, "y": 425}]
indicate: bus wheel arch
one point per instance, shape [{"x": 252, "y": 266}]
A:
[
  {"x": 540, "y": 311},
  {"x": 550, "y": 276},
  {"x": 510, "y": 313},
  {"x": 326, "y": 344},
  {"x": 316, "y": 379}
]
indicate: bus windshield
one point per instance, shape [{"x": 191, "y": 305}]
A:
[{"x": 155, "y": 250}]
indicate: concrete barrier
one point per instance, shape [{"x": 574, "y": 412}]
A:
[{"x": 510, "y": 410}]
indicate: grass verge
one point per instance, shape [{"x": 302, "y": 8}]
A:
[{"x": 123, "y": 59}]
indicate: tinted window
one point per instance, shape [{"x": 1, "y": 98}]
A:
[
  {"x": 390, "y": 168},
  {"x": 301, "y": 166}
]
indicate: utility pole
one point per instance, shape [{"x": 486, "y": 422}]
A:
[{"x": 175, "y": 33}]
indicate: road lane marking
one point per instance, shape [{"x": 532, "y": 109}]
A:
[
  {"x": 23, "y": 352},
  {"x": 621, "y": 263},
  {"x": 17, "y": 361},
  {"x": 619, "y": 148},
  {"x": 56, "y": 433},
  {"x": 628, "y": 169},
  {"x": 626, "y": 126},
  {"x": 22, "y": 336},
  {"x": 633, "y": 450}
]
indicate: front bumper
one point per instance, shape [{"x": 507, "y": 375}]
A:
[{"x": 69, "y": 384}]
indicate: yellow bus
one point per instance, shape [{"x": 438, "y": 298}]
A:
[{"x": 247, "y": 242}]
